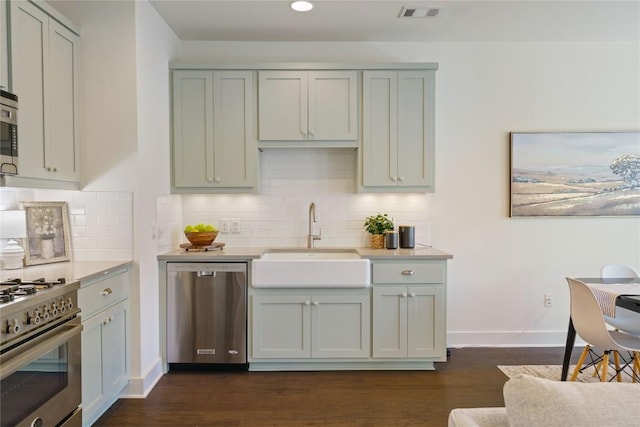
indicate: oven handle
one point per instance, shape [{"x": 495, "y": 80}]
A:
[{"x": 39, "y": 349}]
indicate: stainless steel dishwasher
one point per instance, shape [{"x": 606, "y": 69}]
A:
[{"x": 206, "y": 314}]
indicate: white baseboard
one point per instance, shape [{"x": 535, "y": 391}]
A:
[
  {"x": 457, "y": 339},
  {"x": 140, "y": 387}
]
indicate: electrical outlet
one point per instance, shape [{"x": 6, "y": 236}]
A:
[
  {"x": 548, "y": 301},
  {"x": 235, "y": 225},
  {"x": 225, "y": 225}
]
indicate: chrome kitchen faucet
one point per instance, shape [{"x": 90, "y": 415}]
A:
[{"x": 311, "y": 238}]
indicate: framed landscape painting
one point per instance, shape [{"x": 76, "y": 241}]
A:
[{"x": 575, "y": 174}]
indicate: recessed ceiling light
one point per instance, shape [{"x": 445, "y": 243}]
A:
[{"x": 301, "y": 6}]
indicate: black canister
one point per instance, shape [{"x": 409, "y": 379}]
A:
[
  {"x": 407, "y": 236},
  {"x": 391, "y": 239}
]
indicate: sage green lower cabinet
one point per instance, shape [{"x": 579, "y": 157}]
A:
[
  {"x": 408, "y": 321},
  {"x": 105, "y": 321},
  {"x": 318, "y": 325},
  {"x": 409, "y": 310},
  {"x": 398, "y": 323}
]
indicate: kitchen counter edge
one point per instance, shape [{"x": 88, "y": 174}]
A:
[
  {"x": 245, "y": 254},
  {"x": 71, "y": 271}
]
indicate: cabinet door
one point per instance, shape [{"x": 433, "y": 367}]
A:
[
  {"x": 233, "y": 140},
  {"x": 340, "y": 326},
  {"x": 115, "y": 366},
  {"x": 390, "y": 321},
  {"x": 415, "y": 129},
  {"x": 45, "y": 77},
  {"x": 92, "y": 380},
  {"x": 281, "y": 326},
  {"x": 105, "y": 368},
  {"x": 333, "y": 105},
  {"x": 30, "y": 70},
  {"x": 425, "y": 324},
  {"x": 282, "y": 105},
  {"x": 379, "y": 128},
  {"x": 193, "y": 128},
  {"x": 4, "y": 58},
  {"x": 62, "y": 157}
]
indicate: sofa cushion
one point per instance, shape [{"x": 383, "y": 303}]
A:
[
  {"x": 478, "y": 417},
  {"x": 538, "y": 402}
]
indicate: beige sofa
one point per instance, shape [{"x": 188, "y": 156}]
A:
[{"x": 537, "y": 402}]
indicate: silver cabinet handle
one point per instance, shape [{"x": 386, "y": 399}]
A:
[
  {"x": 407, "y": 273},
  {"x": 106, "y": 291},
  {"x": 307, "y": 303},
  {"x": 314, "y": 303},
  {"x": 412, "y": 294},
  {"x": 403, "y": 295}
]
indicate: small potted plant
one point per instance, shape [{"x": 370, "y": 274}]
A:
[{"x": 377, "y": 225}]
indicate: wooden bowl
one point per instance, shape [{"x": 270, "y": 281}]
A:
[{"x": 201, "y": 238}]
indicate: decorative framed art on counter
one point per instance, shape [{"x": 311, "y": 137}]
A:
[{"x": 47, "y": 232}]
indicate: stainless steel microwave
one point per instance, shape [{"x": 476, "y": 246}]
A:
[{"x": 8, "y": 133}]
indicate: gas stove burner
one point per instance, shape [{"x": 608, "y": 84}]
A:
[
  {"x": 6, "y": 298},
  {"x": 12, "y": 288},
  {"x": 26, "y": 290},
  {"x": 40, "y": 283}
]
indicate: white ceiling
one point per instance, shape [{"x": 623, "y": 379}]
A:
[{"x": 377, "y": 20}]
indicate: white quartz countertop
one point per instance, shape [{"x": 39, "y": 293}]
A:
[
  {"x": 245, "y": 253},
  {"x": 71, "y": 271}
]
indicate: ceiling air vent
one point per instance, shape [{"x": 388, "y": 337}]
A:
[{"x": 418, "y": 12}]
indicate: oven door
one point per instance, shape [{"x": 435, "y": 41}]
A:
[{"x": 41, "y": 383}]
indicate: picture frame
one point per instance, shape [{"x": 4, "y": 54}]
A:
[
  {"x": 575, "y": 174},
  {"x": 47, "y": 233}
]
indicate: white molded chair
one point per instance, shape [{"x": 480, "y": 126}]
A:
[
  {"x": 589, "y": 323},
  {"x": 618, "y": 271},
  {"x": 625, "y": 320}
]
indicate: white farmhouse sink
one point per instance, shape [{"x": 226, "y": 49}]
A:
[{"x": 310, "y": 268}]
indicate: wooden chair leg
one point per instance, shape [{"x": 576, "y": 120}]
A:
[
  {"x": 636, "y": 366},
  {"x": 596, "y": 369},
  {"x": 583, "y": 356},
  {"x": 616, "y": 361},
  {"x": 605, "y": 365}
]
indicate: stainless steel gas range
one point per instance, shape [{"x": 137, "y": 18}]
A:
[{"x": 40, "y": 353}]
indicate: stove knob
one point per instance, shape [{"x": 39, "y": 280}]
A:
[
  {"x": 45, "y": 313},
  {"x": 13, "y": 326},
  {"x": 34, "y": 319},
  {"x": 70, "y": 304},
  {"x": 63, "y": 306},
  {"x": 54, "y": 309}
]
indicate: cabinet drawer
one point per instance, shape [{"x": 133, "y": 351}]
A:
[
  {"x": 408, "y": 272},
  {"x": 102, "y": 294}
]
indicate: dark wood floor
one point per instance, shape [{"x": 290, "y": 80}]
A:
[{"x": 356, "y": 398}]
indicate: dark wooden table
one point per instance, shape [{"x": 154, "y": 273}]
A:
[{"x": 630, "y": 302}]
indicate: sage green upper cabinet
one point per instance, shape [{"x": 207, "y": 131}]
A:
[
  {"x": 398, "y": 138},
  {"x": 308, "y": 106},
  {"x": 4, "y": 59},
  {"x": 44, "y": 70},
  {"x": 214, "y": 146}
]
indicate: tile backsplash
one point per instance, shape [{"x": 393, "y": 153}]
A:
[
  {"x": 101, "y": 223},
  {"x": 279, "y": 216}
]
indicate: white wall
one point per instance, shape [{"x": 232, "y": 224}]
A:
[
  {"x": 125, "y": 130},
  {"x": 156, "y": 45},
  {"x": 502, "y": 267}
]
